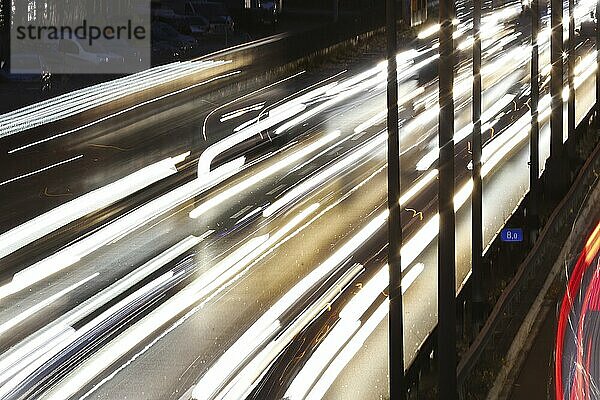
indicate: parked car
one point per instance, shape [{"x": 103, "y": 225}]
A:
[
  {"x": 216, "y": 13},
  {"x": 77, "y": 55},
  {"x": 188, "y": 24},
  {"x": 163, "y": 32}
]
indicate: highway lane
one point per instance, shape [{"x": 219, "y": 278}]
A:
[
  {"x": 279, "y": 263},
  {"x": 503, "y": 192}
]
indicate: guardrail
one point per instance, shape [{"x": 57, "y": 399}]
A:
[{"x": 484, "y": 357}]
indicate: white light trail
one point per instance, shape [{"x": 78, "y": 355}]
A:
[
  {"x": 119, "y": 347},
  {"x": 68, "y": 256},
  {"x": 264, "y": 174},
  {"x": 326, "y": 174},
  {"x": 22, "y": 316},
  {"x": 98, "y": 199},
  {"x": 72, "y": 103}
]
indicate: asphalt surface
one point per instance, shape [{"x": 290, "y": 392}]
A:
[{"x": 176, "y": 290}]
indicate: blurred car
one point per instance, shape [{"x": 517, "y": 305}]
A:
[
  {"x": 216, "y": 14},
  {"x": 79, "y": 54},
  {"x": 188, "y": 24},
  {"x": 27, "y": 67}
]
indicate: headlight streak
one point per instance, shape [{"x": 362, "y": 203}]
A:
[
  {"x": 207, "y": 157},
  {"x": 110, "y": 353},
  {"x": 204, "y": 288},
  {"x": 37, "y": 345},
  {"x": 432, "y": 156},
  {"x": 338, "y": 98},
  {"x": 63, "y": 106},
  {"x": 98, "y": 199},
  {"x": 245, "y": 97},
  {"x": 380, "y": 117},
  {"x": 113, "y": 231},
  {"x": 41, "y": 305},
  {"x": 216, "y": 377},
  {"x": 346, "y": 335},
  {"x": 318, "y": 179},
  {"x": 244, "y": 381},
  {"x": 211, "y": 381},
  {"x": 242, "y": 111},
  {"x": 264, "y": 174}
]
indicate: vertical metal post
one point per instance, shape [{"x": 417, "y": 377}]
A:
[
  {"x": 556, "y": 88},
  {"x": 446, "y": 238},
  {"x": 477, "y": 202},
  {"x": 570, "y": 72},
  {"x": 534, "y": 147},
  {"x": 396, "y": 329}
]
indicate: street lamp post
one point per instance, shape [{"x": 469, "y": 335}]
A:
[
  {"x": 446, "y": 238},
  {"x": 396, "y": 331},
  {"x": 534, "y": 147}
]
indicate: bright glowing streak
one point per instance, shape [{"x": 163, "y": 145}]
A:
[
  {"x": 467, "y": 43},
  {"x": 225, "y": 279},
  {"x": 380, "y": 117},
  {"x": 425, "y": 117},
  {"x": 41, "y": 305},
  {"x": 207, "y": 157},
  {"x": 225, "y": 367},
  {"x": 323, "y": 176},
  {"x": 425, "y": 33},
  {"x": 338, "y": 97},
  {"x": 344, "y": 336},
  {"x": 242, "y": 111},
  {"x": 244, "y": 381},
  {"x": 72, "y": 103},
  {"x": 374, "y": 120},
  {"x": 162, "y": 314},
  {"x": 403, "y": 74},
  {"x": 348, "y": 352},
  {"x": 264, "y": 174},
  {"x": 432, "y": 156},
  {"x": 126, "y": 110},
  {"x": 420, "y": 185},
  {"x": 98, "y": 199},
  {"x": 566, "y": 93},
  {"x": 355, "y": 80},
  {"x": 111, "y": 232}
]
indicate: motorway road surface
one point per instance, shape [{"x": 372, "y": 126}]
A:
[{"x": 239, "y": 250}]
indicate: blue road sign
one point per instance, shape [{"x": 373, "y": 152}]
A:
[{"x": 512, "y": 235}]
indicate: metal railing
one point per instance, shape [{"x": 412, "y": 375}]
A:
[{"x": 483, "y": 359}]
